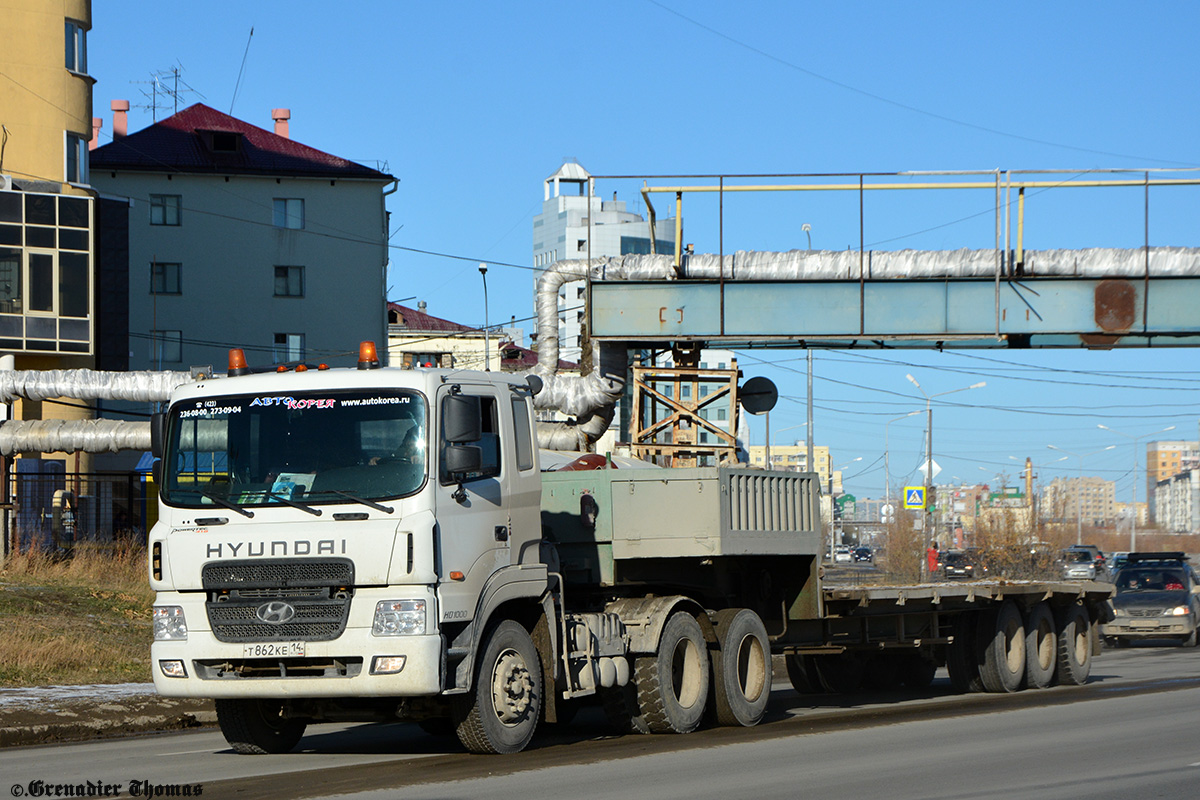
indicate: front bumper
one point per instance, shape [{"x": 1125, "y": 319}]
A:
[
  {"x": 1147, "y": 627},
  {"x": 337, "y": 668}
]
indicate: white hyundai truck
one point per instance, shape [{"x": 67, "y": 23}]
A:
[{"x": 381, "y": 544}]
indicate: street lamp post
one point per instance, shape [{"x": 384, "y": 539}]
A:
[
  {"x": 487, "y": 348},
  {"x": 1134, "y": 439},
  {"x": 1034, "y": 516},
  {"x": 929, "y": 458},
  {"x": 1079, "y": 487}
]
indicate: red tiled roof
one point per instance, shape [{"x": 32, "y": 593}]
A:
[
  {"x": 514, "y": 357},
  {"x": 183, "y": 143},
  {"x": 420, "y": 321}
]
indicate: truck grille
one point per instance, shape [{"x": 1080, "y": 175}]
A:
[{"x": 318, "y": 593}]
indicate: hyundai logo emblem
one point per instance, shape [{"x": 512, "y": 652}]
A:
[{"x": 276, "y": 612}]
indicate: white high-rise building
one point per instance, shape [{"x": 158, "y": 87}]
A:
[{"x": 569, "y": 219}]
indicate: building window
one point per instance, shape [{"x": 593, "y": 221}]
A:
[
  {"x": 76, "y": 168},
  {"x": 289, "y": 213},
  {"x": 76, "y": 47},
  {"x": 289, "y": 281},
  {"x": 166, "y": 347},
  {"x": 288, "y": 347},
  {"x": 166, "y": 278},
  {"x": 165, "y": 209}
]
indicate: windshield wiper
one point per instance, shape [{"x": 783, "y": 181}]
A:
[
  {"x": 363, "y": 500},
  {"x": 221, "y": 501},
  {"x": 316, "y": 512}
]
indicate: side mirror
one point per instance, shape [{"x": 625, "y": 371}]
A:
[
  {"x": 462, "y": 419},
  {"x": 461, "y": 459},
  {"x": 158, "y": 434}
]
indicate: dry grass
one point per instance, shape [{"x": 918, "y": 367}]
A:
[{"x": 78, "y": 619}]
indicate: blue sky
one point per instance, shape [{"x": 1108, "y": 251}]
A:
[{"x": 472, "y": 105}]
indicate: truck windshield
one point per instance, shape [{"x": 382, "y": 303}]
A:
[{"x": 309, "y": 448}]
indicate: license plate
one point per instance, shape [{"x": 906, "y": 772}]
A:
[
  {"x": 273, "y": 650},
  {"x": 1143, "y": 623}
]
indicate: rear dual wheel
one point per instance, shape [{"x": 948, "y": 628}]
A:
[
  {"x": 672, "y": 684},
  {"x": 741, "y": 667}
]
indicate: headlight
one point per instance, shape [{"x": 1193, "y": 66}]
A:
[
  {"x": 399, "y": 618},
  {"x": 1120, "y": 612},
  {"x": 1178, "y": 611},
  {"x": 169, "y": 624}
]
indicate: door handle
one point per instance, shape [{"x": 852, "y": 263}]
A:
[{"x": 501, "y": 533}]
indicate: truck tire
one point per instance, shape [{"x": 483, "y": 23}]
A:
[
  {"x": 1041, "y": 647},
  {"x": 842, "y": 673},
  {"x": 1003, "y": 666},
  {"x": 258, "y": 727},
  {"x": 672, "y": 684},
  {"x": 501, "y": 713},
  {"x": 1074, "y": 646},
  {"x": 741, "y": 667},
  {"x": 962, "y": 660},
  {"x": 802, "y": 672}
]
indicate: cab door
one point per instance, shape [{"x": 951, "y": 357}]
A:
[{"x": 474, "y": 524}]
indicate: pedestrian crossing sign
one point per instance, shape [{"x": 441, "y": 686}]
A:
[{"x": 914, "y": 497}]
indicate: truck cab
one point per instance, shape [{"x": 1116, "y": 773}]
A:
[{"x": 331, "y": 534}]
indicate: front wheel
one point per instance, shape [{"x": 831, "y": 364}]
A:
[
  {"x": 258, "y": 727},
  {"x": 501, "y": 713}
]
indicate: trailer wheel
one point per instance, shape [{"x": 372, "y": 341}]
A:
[
  {"x": 1041, "y": 647},
  {"x": 1003, "y": 666},
  {"x": 672, "y": 684},
  {"x": 258, "y": 727},
  {"x": 917, "y": 672},
  {"x": 961, "y": 655},
  {"x": 802, "y": 672},
  {"x": 741, "y": 667},
  {"x": 501, "y": 713},
  {"x": 841, "y": 674},
  {"x": 1074, "y": 646}
]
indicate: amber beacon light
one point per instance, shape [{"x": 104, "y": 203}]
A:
[
  {"x": 367, "y": 357},
  {"x": 237, "y": 362}
]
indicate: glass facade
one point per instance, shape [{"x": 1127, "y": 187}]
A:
[{"x": 45, "y": 272}]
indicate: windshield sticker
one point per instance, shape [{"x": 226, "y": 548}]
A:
[
  {"x": 377, "y": 401},
  {"x": 292, "y": 403},
  {"x": 207, "y": 412}
]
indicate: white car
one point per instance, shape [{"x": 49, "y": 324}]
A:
[{"x": 841, "y": 555}]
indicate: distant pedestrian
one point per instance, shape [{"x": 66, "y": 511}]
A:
[{"x": 931, "y": 558}]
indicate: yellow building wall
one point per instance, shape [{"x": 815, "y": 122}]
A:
[{"x": 40, "y": 99}]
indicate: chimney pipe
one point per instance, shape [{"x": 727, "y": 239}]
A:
[
  {"x": 97, "y": 124},
  {"x": 281, "y": 117},
  {"x": 120, "y": 109},
  {"x": 421, "y": 306}
]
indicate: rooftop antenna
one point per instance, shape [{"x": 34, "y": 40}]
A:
[
  {"x": 238, "y": 85},
  {"x": 170, "y": 85}
]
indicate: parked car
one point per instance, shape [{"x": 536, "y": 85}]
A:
[
  {"x": 960, "y": 565},
  {"x": 1158, "y": 597},
  {"x": 862, "y": 554}
]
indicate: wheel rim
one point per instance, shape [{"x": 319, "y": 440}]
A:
[
  {"x": 751, "y": 668},
  {"x": 512, "y": 687},
  {"x": 1045, "y": 645},
  {"x": 686, "y": 679},
  {"x": 1014, "y": 646},
  {"x": 1081, "y": 643}
]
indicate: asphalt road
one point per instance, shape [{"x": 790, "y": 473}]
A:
[{"x": 1129, "y": 733}]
